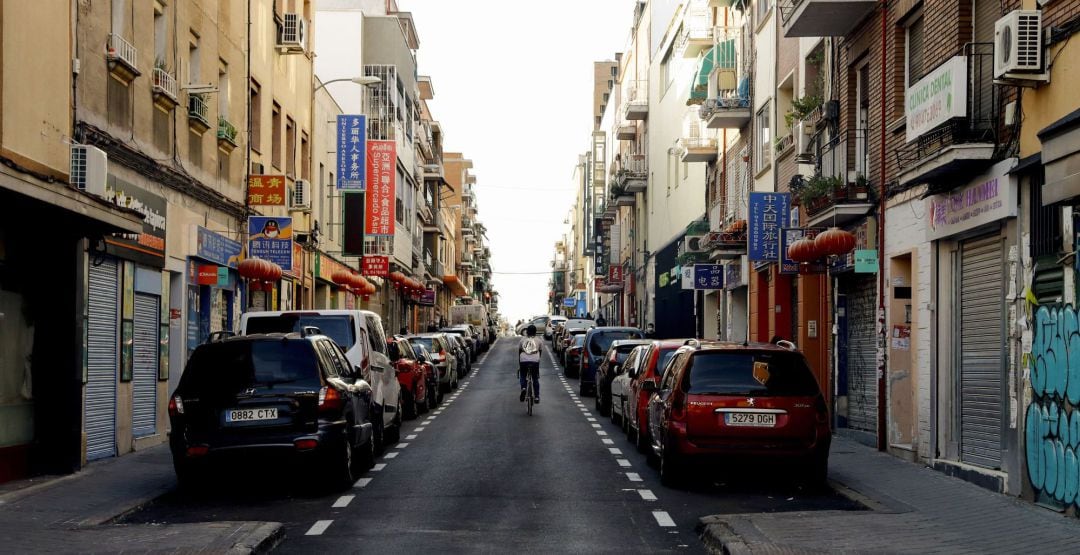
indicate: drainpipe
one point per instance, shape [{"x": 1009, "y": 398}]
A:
[{"x": 882, "y": 428}]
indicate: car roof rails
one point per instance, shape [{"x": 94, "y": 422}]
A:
[
  {"x": 787, "y": 345},
  {"x": 218, "y": 336},
  {"x": 693, "y": 343},
  {"x": 310, "y": 330}
]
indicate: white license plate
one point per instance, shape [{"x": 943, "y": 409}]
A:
[
  {"x": 250, "y": 415},
  {"x": 750, "y": 419}
]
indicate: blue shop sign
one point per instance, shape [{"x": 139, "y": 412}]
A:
[
  {"x": 768, "y": 213},
  {"x": 217, "y": 248},
  {"x": 351, "y": 152},
  {"x": 708, "y": 276}
]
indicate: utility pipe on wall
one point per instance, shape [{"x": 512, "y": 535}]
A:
[{"x": 882, "y": 428}]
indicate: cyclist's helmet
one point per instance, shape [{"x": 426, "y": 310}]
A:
[{"x": 531, "y": 330}]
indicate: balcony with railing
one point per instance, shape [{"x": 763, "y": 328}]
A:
[
  {"x": 427, "y": 216},
  {"x": 626, "y": 131},
  {"x": 198, "y": 113},
  {"x": 636, "y": 100},
  {"x": 962, "y": 145},
  {"x": 631, "y": 173},
  {"x": 164, "y": 89},
  {"x": 122, "y": 58},
  {"x": 227, "y": 135},
  {"x": 823, "y": 18},
  {"x": 722, "y": 84},
  {"x": 838, "y": 193},
  {"x": 698, "y": 143},
  {"x": 698, "y": 31}
]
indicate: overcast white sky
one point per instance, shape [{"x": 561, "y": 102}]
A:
[{"x": 513, "y": 92}]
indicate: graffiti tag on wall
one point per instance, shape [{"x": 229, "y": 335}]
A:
[{"x": 1052, "y": 425}]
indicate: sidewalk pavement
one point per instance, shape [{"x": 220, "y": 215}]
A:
[
  {"x": 74, "y": 513},
  {"x": 911, "y": 509}
]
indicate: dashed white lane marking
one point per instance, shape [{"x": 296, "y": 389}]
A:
[
  {"x": 623, "y": 462},
  {"x": 429, "y": 420},
  {"x": 402, "y": 445},
  {"x": 391, "y": 455},
  {"x": 663, "y": 519},
  {"x": 614, "y": 450},
  {"x": 608, "y": 441},
  {"x": 362, "y": 483},
  {"x": 601, "y": 433},
  {"x": 438, "y": 412},
  {"x": 591, "y": 419},
  {"x": 410, "y": 436},
  {"x": 595, "y": 425},
  {"x": 378, "y": 467},
  {"x": 633, "y": 476},
  {"x": 343, "y": 501},
  {"x": 318, "y": 528},
  {"x": 647, "y": 495},
  {"x": 420, "y": 429}
]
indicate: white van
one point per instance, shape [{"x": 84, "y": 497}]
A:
[{"x": 360, "y": 334}]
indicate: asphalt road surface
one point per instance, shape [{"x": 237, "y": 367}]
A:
[{"x": 480, "y": 475}]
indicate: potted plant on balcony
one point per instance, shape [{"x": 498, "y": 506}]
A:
[
  {"x": 861, "y": 187},
  {"x": 838, "y": 188},
  {"x": 802, "y": 107},
  {"x": 817, "y": 193}
]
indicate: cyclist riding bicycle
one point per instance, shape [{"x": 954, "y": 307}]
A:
[{"x": 529, "y": 362}]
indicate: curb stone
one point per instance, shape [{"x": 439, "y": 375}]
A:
[{"x": 263, "y": 539}]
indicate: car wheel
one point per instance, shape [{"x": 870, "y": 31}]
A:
[
  {"x": 815, "y": 473},
  {"x": 342, "y": 462},
  {"x": 453, "y": 381},
  {"x": 423, "y": 408},
  {"x": 672, "y": 468},
  {"x": 394, "y": 434},
  {"x": 408, "y": 405},
  {"x": 582, "y": 390},
  {"x": 616, "y": 419}
]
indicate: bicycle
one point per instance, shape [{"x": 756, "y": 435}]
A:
[{"x": 530, "y": 395}]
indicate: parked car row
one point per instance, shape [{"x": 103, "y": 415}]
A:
[
  {"x": 325, "y": 389},
  {"x": 686, "y": 402}
]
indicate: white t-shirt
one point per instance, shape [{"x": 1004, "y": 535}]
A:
[{"x": 529, "y": 350}]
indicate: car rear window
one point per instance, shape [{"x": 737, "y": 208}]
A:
[
  {"x": 665, "y": 358},
  {"x": 601, "y": 341},
  {"x": 229, "y": 368},
  {"x": 761, "y": 373},
  {"x": 579, "y": 340},
  {"x": 338, "y": 327},
  {"x": 425, "y": 341}
]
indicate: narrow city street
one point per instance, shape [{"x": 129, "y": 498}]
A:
[{"x": 480, "y": 475}]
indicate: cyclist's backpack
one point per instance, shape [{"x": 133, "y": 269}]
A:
[{"x": 529, "y": 346}]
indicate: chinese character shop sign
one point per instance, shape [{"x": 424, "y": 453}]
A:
[
  {"x": 381, "y": 174},
  {"x": 376, "y": 266},
  {"x": 351, "y": 151},
  {"x": 768, "y": 212},
  {"x": 708, "y": 276},
  {"x": 266, "y": 190},
  {"x": 271, "y": 239}
]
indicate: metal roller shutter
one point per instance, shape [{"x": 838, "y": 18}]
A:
[
  {"x": 862, "y": 354},
  {"x": 101, "y": 361},
  {"x": 981, "y": 338},
  {"x": 145, "y": 366}
]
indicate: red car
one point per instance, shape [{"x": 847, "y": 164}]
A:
[
  {"x": 733, "y": 401},
  {"x": 410, "y": 374},
  {"x": 648, "y": 369}
]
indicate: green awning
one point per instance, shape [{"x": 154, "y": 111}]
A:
[{"x": 720, "y": 56}]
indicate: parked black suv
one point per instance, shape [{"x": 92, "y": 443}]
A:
[{"x": 272, "y": 398}]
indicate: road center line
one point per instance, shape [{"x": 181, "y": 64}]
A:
[
  {"x": 362, "y": 483},
  {"x": 623, "y": 463},
  {"x": 601, "y": 432},
  {"x": 378, "y": 467},
  {"x": 391, "y": 455},
  {"x": 614, "y": 450},
  {"x": 633, "y": 476},
  {"x": 663, "y": 519},
  {"x": 647, "y": 495},
  {"x": 343, "y": 501},
  {"x": 595, "y": 425},
  {"x": 591, "y": 419},
  {"x": 402, "y": 445},
  {"x": 420, "y": 429},
  {"x": 608, "y": 441},
  {"x": 318, "y": 528},
  {"x": 410, "y": 436}
]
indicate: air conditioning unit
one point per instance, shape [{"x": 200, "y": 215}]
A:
[
  {"x": 292, "y": 33},
  {"x": 89, "y": 169},
  {"x": 693, "y": 243},
  {"x": 301, "y": 195},
  {"x": 1018, "y": 44}
]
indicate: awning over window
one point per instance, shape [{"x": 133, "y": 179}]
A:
[
  {"x": 721, "y": 57},
  {"x": 455, "y": 285},
  {"x": 699, "y": 90}
]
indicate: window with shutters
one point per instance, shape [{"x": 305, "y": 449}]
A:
[{"x": 914, "y": 50}]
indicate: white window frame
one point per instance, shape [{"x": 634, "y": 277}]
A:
[{"x": 763, "y": 142}]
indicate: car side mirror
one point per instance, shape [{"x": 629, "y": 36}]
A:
[{"x": 649, "y": 387}]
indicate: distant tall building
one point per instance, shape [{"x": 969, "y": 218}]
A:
[{"x": 605, "y": 74}]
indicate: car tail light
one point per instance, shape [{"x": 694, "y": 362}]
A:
[
  {"x": 330, "y": 399},
  {"x": 585, "y": 362},
  {"x": 305, "y": 444},
  {"x": 821, "y": 410},
  {"x": 176, "y": 406},
  {"x": 678, "y": 404},
  {"x": 197, "y": 451}
]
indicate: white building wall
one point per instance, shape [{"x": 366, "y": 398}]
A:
[
  {"x": 764, "y": 69},
  {"x": 905, "y": 232}
]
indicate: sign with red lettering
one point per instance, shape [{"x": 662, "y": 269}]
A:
[
  {"x": 379, "y": 216},
  {"x": 207, "y": 274},
  {"x": 266, "y": 190},
  {"x": 615, "y": 274},
  {"x": 376, "y": 266}
]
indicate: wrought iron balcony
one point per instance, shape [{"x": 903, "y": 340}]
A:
[
  {"x": 198, "y": 113},
  {"x": 839, "y": 192},
  {"x": 823, "y": 18},
  {"x": 632, "y": 174},
  {"x": 164, "y": 89}
]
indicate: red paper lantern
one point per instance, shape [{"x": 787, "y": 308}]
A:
[
  {"x": 834, "y": 241},
  {"x": 803, "y": 250},
  {"x": 248, "y": 268}
]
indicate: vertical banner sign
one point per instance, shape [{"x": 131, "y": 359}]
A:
[
  {"x": 708, "y": 276},
  {"x": 266, "y": 190},
  {"x": 616, "y": 236},
  {"x": 381, "y": 175},
  {"x": 615, "y": 276},
  {"x": 352, "y": 223},
  {"x": 351, "y": 152},
  {"x": 271, "y": 239},
  {"x": 768, "y": 213}
]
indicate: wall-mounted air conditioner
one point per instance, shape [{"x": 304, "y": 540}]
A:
[
  {"x": 301, "y": 195},
  {"x": 89, "y": 169},
  {"x": 1018, "y": 49},
  {"x": 292, "y": 33}
]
